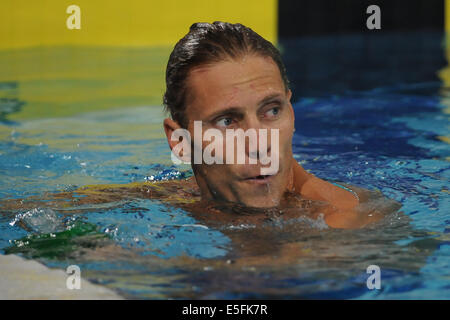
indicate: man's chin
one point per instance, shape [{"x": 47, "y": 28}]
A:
[
  {"x": 260, "y": 193},
  {"x": 265, "y": 201}
]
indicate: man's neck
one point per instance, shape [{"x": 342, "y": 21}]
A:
[{"x": 297, "y": 177}]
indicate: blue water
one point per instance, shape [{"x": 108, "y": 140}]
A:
[{"x": 379, "y": 137}]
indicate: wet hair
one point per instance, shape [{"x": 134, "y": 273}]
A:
[{"x": 207, "y": 43}]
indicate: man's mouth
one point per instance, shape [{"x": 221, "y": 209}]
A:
[{"x": 259, "y": 179}]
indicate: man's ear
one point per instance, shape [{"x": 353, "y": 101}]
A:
[
  {"x": 179, "y": 141},
  {"x": 169, "y": 127},
  {"x": 289, "y": 95}
]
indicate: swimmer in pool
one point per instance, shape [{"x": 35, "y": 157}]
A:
[{"x": 228, "y": 77}]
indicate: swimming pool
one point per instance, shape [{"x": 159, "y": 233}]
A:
[{"x": 375, "y": 130}]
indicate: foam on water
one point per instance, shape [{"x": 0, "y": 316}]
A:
[{"x": 39, "y": 220}]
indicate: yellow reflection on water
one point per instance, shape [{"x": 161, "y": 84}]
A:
[{"x": 63, "y": 81}]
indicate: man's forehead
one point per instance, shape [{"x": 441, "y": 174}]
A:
[{"x": 221, "y": 83}]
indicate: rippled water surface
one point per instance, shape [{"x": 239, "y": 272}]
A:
[{"x": 391, "y": 139}]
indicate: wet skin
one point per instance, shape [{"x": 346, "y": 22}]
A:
[{"x": 248, "y": 92}]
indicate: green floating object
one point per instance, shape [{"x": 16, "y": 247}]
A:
[{"x": 58, "y": 245}]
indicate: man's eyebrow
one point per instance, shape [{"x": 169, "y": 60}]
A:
[
  {"x": 239, "y": 110},
  {"x": 227, "y": 111},
  {"x": 269, "y": 99}
]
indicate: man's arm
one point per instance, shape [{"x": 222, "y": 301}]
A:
[
  {"x": 318, "y": 189},
  {"x": 342, "y": 210},
  {"x": 315, "y": 188}
]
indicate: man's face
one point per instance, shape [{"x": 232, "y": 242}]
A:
[{"x": 242, "y": 94}]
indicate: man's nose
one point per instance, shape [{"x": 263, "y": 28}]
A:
[{"x": 254, "y": 149}]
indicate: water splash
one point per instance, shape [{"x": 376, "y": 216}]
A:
[{"x": 39, "y": 220}]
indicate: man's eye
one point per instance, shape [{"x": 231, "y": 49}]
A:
[
  {"x": 272, "y": 112},
  {"x": 224, "y": 122}
]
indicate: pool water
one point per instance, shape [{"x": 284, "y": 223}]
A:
[{"x": 388, "y": 135}]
